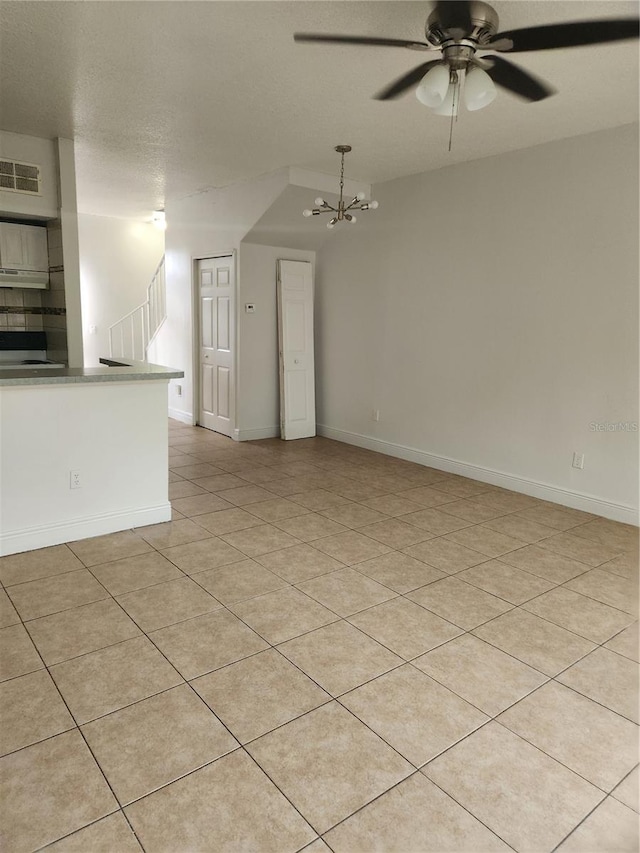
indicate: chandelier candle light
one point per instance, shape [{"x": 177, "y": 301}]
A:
[{"x": 342, "y": 210}]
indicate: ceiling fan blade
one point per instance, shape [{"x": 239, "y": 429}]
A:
[
  {"x": 516, "y": 80},
  {"x": 455, "y": 15},
  {"x": 399, "y": 86},
  {"x": 572, "y": 34},
  {"x": 331, "y": 39}
]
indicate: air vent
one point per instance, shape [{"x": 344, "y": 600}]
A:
[{"x": 19, "y": 177}]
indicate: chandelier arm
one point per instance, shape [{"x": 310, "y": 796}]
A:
[{"x": 341, "y": 212}]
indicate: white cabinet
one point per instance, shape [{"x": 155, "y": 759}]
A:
[{"x": 23, "y": 247}]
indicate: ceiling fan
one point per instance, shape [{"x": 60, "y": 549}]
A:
[{"x": 462, "y": 28}]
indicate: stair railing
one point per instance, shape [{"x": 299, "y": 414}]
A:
[{"x": 131, "y": 336}]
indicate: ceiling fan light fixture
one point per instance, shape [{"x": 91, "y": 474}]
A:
[
  {"x": 449, "y": 106},
  {"x": 479, "y": 89},
  {"x": 432, "y": 89}
]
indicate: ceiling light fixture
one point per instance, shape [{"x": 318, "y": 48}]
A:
[
  {"x": 444, "y": 83},
  {"x": 342, "y": 210},
  {"x": 441, "y": 86},
  {"x": 159, "y": 219}
]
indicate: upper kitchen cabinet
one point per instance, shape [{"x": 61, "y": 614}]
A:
[{"x": 23, "y": 247}]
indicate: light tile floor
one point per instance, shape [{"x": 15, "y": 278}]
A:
[{"x": 326, "y": 649}]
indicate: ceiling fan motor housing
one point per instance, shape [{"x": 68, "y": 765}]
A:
[{"x": 484, "y": 21}]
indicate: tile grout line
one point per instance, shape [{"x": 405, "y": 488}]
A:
[
  {"x": 586, "y": 817},
  {"x": 331, "y": 699},
  {"x": 345, "y": 619},
  {"x": 194, "y": 770},
  {"x": 78, "y": 728}
]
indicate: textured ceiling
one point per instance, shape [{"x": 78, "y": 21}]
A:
[{"x": 165, "y": 99}]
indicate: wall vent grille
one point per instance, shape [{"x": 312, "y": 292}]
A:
[{"x": 19, "y": 177}]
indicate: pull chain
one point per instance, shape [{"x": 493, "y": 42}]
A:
[
  {"x": 341, "y": 202},
  {"x": 454, "y": 106}
]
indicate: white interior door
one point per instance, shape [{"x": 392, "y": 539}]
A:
[
  {"x": 216, "y": 295},
  {"x": 295, "y": 341}
]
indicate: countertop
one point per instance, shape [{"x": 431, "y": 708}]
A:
[{"x": 132, "y": 371}]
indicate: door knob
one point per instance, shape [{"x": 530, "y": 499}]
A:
[{"x": 296, "y": 361}]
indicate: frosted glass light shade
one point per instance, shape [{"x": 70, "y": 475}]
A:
[
  {"x": 307, "y": 212},
  {"x": 449, "y": 106},
  {"x": 432, "y": 89},
  {"x": 479, "y": 89}
]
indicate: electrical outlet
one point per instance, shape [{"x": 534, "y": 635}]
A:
[
  {"x": 75, "y": 481},
  {"x": 375, "y": 415},
  {"x": 179, "y": 390},
  {"x": 578, "y": 460}
]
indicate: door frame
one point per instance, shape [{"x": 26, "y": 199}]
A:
[{"x": 195, "y": 334}]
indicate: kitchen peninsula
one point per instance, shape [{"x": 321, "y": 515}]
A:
[{"x": 83, "y": 452}]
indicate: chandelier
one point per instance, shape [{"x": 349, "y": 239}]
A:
[{"x": 342, "y": 211}]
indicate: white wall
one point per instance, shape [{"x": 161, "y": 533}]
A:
[
  {"x": 38, "y": 152},
  {"x": 490, "y": 312},
  {"x": 201, "y": 226},
  {"x": 258, "y": 383},
  {"x": 113, "y": 433},
  {"x": 118, "y": 258}
]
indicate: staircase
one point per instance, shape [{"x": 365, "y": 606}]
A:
[{"x": 130, "y": 337}]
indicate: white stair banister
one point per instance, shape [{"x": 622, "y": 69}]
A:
[{"x": 131, "y": 336}]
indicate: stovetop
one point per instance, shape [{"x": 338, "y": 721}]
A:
[
  {"x": 24, "y": 359},
  {"x": 24, "y": 350},
  {"x": 29, "y": 362}
]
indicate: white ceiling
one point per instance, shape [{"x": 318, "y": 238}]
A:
[{"x": 165, "y": 99}]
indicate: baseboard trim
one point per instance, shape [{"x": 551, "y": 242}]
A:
[
  {"x": 27, "y": 539},
  {"x": 179, "y": 415},
  {"x": 255, "y": 434},
  {"x": 553, "y": 494}
]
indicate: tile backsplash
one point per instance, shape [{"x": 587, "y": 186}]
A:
[{"x": 21, "y": 310}]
